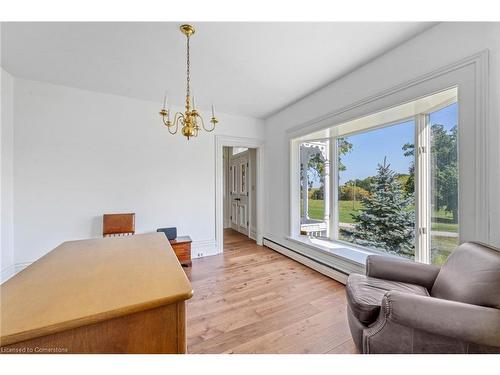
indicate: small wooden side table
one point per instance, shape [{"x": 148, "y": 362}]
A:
[{"x": 182, "y": 248}]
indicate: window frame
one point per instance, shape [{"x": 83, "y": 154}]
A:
[{"x": 422, "y": 155}]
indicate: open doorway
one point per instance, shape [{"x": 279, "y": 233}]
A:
[{"x": 240, "y": 190}]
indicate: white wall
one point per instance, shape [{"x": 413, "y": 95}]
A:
[
  {"x": 6, "y": 185},
  {"x": 79, "y": 154},
  {"x": 441, "y": 45}
]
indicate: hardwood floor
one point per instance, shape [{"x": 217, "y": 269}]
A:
[{"x": 252, "y": 299}]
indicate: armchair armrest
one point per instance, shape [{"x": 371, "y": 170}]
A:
[
  {"x": 391, "y": 268},
  {"x": 465, "y": 322}
]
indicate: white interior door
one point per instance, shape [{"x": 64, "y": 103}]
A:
[{"x": 238, "y": 171}]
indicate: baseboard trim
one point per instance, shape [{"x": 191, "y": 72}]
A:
[
  {"x": 8, "y": 272},
  {"x": 253, "y": 234},
  {"x": 203, "y": 248},
  {"x": 315, "y": 264}
]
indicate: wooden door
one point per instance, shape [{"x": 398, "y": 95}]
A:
[{"x": 238, "y": 172}]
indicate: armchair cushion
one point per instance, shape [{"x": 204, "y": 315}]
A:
[
  {"x": 470, "y": 275},
  {"x": 365, "y": 294}
]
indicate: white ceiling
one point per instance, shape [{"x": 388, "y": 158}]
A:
[{"x": 252, "y": 69}]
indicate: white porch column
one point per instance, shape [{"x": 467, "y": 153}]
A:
[
  {"x": 333, "y": 170},
  {"x": 326, "y": 191},
  {"x": 304, "y": 160}
]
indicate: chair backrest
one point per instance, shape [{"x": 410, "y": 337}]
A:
[
  {"x": 471, "y": 275},
  {"x": 118, "y": 224}
]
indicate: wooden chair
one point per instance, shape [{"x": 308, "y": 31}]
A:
[{"x": 118, "y": 225}]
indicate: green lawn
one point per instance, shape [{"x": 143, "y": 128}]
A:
[
  {"x": 316, "y": 210},
  {"x": 441, "y": 248},
  {"x": 445, "y": 227},
  {"x": 347, "y": 208},
  {"x": 441, "y": 221}
]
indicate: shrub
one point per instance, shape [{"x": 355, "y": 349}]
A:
[
  {"x": 317, "y": 194},
  {"x": 350, "y": 193}
]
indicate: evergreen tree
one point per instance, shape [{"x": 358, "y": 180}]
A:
[{"x": 386, "y": 220}]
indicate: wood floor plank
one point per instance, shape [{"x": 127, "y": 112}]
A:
[
  {"x": 346, "y": 347},
  {"x": 294, "y": 338},
  {"x": 251, "y": 299}
]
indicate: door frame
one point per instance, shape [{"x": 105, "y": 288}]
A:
[
  {"x": 222, "y": 141},
  {"x": 247, "y": 194}
]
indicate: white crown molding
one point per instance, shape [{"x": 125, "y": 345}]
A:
[{"x": 479, "y": 60}]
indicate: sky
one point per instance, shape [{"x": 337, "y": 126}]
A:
[{"x": 369, "y": 149}]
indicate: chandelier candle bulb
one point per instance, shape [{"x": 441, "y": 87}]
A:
[
  {"x": 213, "y": 111},
  {"x": 165, "y": 100}
]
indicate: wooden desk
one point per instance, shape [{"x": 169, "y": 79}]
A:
[
  {"x": 110, "y": 295},
  {"x": 182, "y": 248}
]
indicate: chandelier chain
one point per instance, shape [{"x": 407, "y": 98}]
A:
[{"x": 188, "y": 91}]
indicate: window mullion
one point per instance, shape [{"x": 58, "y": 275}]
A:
[
  {"x": 334, "y": 180},
  {"x": 422, "y": 189},
  {"x": 295, "y": 183},
  {"x": 327, "y": 213}
]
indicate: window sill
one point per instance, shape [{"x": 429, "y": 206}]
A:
[{"x": 340, "y": 250}]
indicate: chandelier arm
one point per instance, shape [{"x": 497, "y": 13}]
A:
[
  {"x": 176, "y": 128},
  {"x": 203, "y": 124},
  {"x": 169, "y": 123},
  {"x": 179, "y": 120},
  {"x": 178, "y": 116},
  {"x": 166, "y": 123}
]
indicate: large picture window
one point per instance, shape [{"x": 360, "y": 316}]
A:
[
  {"x": 376, "y": 204},
  {"x": 387, "y": 182}
]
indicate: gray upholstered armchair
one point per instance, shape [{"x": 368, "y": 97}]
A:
[{"x": 406, "y": 307}]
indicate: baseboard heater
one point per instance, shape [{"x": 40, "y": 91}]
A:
[{"x": 317, "y": 265}]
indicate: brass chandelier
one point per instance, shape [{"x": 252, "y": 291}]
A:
[{"x": 189, "y": 119}]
